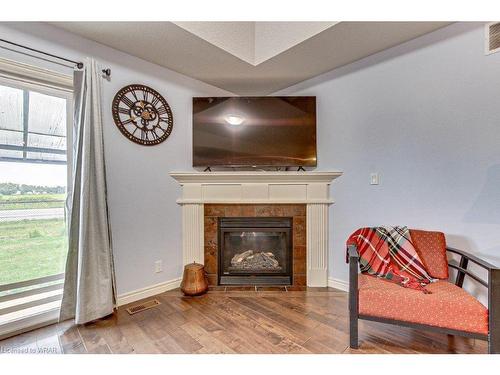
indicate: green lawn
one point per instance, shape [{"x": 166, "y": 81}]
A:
[
  {"x": 31, "y": 201},
  {"x": 31, "y": 248}
]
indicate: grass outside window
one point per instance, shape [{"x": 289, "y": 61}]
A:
[{"x": 31, "y": 249}]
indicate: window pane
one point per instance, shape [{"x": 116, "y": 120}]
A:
[
  {"x": 11, "y": 108},
  {"x": 32, "y": 195},
  {"x": 47, "y": 141},
  {"x": 11, "y": 154},
  {"x": 12, "y": 138},
  {"x": 45, "y": 157},
  {"x": 47, "y": 114},
  {"x": 32, "y": 227}
]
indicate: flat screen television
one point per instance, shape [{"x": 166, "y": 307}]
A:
[{"x": 254, "y": 131}]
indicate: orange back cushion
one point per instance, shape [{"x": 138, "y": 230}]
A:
[{"x": 431, "y": 247}]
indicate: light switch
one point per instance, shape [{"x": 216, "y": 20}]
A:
[
  {"x": 158, "y": 266},
  {"x": 374, "y": 178}
]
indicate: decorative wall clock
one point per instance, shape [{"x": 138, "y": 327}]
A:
[{"x": 142, "y": 115}]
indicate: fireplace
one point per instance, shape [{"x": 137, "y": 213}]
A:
[
  {"x": 255, "y": 251},
  {"x": 304, "y": 196}
]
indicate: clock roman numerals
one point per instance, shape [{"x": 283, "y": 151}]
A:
[
  {"x": 134, "y": 95},
  {"x": 127, "y": 101},
  {"x": 155, "y": 101},
  {"x": 125, "y": 111},
  {"x": 162, "y": 110},
  {"x": 164, "y": 119},
  {"x": 127, "y": 121}
]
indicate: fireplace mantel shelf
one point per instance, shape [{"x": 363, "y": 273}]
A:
[
  {"x": 255, "y": 177},
  {"x": 255, "y": 187},
  {"x": 309, "y": 188}
]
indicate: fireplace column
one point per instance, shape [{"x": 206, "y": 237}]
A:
[
  {"x": 192, "y": 233},
  {"x": 317, "y": 244}
]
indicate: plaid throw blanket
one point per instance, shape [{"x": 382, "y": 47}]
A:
[{"x": 388, "y": 252}]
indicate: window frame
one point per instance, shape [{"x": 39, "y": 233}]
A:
[{"x": 27, "y": 77}]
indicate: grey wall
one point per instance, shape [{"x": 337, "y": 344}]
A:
[
  {"x": 426, "y": 116},
  {"x": 145, "y": 220}
]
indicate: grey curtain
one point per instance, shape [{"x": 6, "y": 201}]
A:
[{"x": 89, "y": 287}]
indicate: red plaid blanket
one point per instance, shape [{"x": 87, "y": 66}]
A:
[{"x": 388, "y": 252}]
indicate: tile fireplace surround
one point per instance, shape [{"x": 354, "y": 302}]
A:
[
  {"x": 296, "y": 211},
  {"x": 254, "y": 191}
]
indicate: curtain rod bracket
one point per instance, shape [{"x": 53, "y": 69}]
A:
[
  {"x": 107, "y": 72},
  {"x": 79, "y": 65}
]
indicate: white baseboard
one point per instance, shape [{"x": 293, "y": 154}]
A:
[
  {"x": 148, "y": 291},
  {"x": 338, "y": 284},
  {"x": 126, "y": 298}
]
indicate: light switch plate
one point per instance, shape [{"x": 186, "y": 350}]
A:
[
  {"x": 158, "y": 266},
  {"x": 374, "y": 178}
]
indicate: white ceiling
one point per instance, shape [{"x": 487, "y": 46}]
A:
[{"x": 251, "y": 58}]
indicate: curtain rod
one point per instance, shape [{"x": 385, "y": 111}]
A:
[{"x": 78, "y": 64}]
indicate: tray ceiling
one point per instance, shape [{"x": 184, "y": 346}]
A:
[
  {"x": 251, "y": 58},
  {"x": 255, "y": 42}
]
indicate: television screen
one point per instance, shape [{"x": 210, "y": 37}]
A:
[{"x": 254, "y": 131}]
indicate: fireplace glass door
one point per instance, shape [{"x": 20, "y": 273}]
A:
[{"x": 255, "y": 251}]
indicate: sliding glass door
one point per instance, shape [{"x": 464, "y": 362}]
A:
[{"x": 34, "y": 122}]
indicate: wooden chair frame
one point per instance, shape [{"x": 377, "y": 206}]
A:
[{"x": 493, "y": 286}]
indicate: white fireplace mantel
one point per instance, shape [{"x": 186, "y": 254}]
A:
[{"x": 309, "y": 188}]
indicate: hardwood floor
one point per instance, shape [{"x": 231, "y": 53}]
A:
[{"x": 237, "y": 320}]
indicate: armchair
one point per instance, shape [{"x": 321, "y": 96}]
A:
[{"x": 449, "y": 309}]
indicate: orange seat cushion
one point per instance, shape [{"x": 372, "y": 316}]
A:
[
  {"x": 431, "y": 248},
  {"x": 448, "y": 306}
]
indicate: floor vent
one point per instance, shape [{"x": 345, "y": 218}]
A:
[
  {"x": 143, "y": 306},
  {"x": 493, "y": 38}
]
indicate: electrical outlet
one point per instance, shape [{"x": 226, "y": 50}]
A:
[
  {"x": 158, "y": 266},
  {"x": 374, "y": 178}
]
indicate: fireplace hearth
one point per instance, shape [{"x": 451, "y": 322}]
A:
[{"x": 255, "y": 251}]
